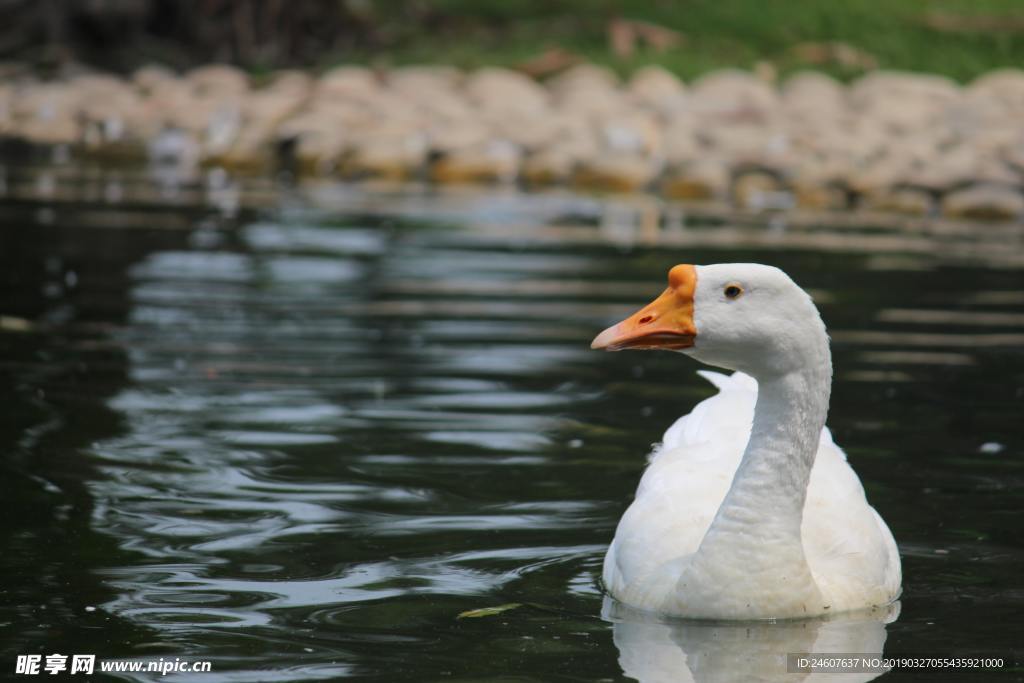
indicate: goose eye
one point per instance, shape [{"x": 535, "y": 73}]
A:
[{"x": 733, "y": 291}]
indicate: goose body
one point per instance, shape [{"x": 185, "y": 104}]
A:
[{"x": 747, "y": 509}]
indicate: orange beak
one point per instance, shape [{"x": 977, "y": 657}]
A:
[{"x": 665, "y": 323}]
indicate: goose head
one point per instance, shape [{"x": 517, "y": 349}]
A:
[{"x": 741, "y": 316}]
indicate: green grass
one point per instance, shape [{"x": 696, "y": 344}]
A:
[{"x": 718, "y": 33}]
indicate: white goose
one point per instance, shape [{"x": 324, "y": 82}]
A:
[{"x": 747, "y": 510}]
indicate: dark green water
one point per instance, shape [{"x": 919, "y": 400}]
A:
[{"x": 298, "y": 431}]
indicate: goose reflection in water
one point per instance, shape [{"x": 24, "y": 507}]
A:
[{"x": 676, "y": 651}]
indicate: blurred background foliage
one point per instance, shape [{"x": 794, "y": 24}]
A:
[{"x": 958, "y": 38}]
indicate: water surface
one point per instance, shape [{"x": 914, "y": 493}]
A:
[{"x": 298, "y": 430}]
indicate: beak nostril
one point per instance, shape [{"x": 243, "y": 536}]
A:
[{"x": 646, "y": 319}]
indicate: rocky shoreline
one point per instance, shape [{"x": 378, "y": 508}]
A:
[{"x": 905, "y": 143}]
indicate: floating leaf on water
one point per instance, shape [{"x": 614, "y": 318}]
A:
[
  {"x": 11, "y": 324},
  {"x": 488, "y": 611}
]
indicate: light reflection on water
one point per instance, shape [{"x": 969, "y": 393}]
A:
[
  {"x": 333, "y": 427},
  {"x": 677, "y": 651}
]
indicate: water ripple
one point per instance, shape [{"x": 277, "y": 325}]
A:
[{"x": 325, "y": 427}]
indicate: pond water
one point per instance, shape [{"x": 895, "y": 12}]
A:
[{"x": 298, "y": 430}]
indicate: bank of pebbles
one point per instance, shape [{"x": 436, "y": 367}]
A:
[{"x": 897, "y": 142}]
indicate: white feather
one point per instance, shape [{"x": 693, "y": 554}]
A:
[
  {"x": 747, "y": 508},
  {"x": 845, "y": 541}
]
